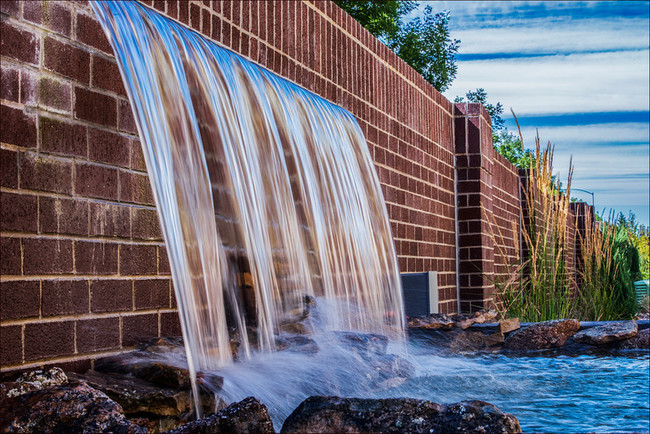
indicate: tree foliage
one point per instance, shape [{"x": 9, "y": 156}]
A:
[{"x": 424, "y": 42}]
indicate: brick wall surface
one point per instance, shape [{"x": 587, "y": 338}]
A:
[{"x": 84, "y": 268}]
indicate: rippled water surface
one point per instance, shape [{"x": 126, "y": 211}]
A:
[{"x": 547, "y": 394}]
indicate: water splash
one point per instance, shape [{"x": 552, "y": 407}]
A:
[{"x": 266, "y": 192}]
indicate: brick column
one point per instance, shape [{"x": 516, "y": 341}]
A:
[{"x": 474, "y": 163}]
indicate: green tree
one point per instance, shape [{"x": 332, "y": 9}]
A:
[
  {"x": 424, "y": 42},
  {"x": 381, "y": 18},
  {"x": 504, "y": 142}
]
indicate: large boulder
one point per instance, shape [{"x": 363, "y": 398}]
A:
[
  {"x": 69, "y": 408},
  {"x": 543, "y": 335},
  {"x": 247, "y": 416},
  {"x": 608, "y": 332},
  {"x": 639, "y": 342},
  {"x": 353, "y": 415}
]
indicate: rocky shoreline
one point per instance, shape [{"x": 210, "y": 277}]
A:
[{"x": 149, "y": 390}]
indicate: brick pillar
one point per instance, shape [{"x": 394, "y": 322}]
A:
[{"x": 474, "y": 163}]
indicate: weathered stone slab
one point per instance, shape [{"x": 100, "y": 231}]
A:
[
  {"x": 509, "y": 325},
  {"x": 606, "y": 333},
  {"x": 247, "y": 416},
  {"x": 543, "y": 335},
  {"x": 434, "y": 321},
  {"x": 335, "y": 414},
  {"x": 639, "y": 342}
]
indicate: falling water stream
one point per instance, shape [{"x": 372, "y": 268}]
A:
[{"x": 266, "y": 192}]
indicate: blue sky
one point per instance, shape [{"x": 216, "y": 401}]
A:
[{"x": 576, "y": 71}]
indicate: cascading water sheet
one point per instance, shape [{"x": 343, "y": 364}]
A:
[{"x": 266, "y": 192}]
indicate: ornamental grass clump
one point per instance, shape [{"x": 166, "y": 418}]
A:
[
  {"x": 610, "y": 264},
  {"x": 539, "y": 288}
]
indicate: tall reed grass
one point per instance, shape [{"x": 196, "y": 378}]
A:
[{"x": 540, "y": 286}]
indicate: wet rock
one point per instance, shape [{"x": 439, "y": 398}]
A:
[
  {"x": 69, "y": 408},
  {"x": 494, "y": 339},
  {"x": 509, "y": 325},
  {"x": 33, "y": 380},
  {"x": 301, "y": 344},
  {"x": 436, "y": 321},
  {"x": 247, "y": 416},
  {"x": 606, "y": 333},
  {"x": 543, "y": 335},
  {"x": 334, "y": 414},
  {"x": 138, "y": 396},
  {"x": 364, "y": 343},
  {"x": 639, "y": 342},
  {"x": 296, "y": 328},
  {"x": 137, "y": 364}
]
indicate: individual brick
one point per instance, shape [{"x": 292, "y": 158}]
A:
[
  {"x": 98, "y": 334},
  {"x": 108, "y": 147},
  {"x": 106, "y": 75},
  {"x": 45, "y": 174},
  {"x": 19, "y": 44},
  {"x": 9, "y": 83},
  {"x": 20, "y": 299},
  {"x": 64, "y": 297},
  {"x": 126, "y": 122},
  {"x": 137, "y": 157},
  {"x": 47, "y": 256},
  {"x": 163, "y": 261},
  {"x": 170, "y": 324},
  {"x": 54, "y": 94},
  {"x": 146, "y": 225},
  {"x": 110, "y": 220},
  {"x": 11, "y": 256},
  {"x": 18, "y": 128},
  {"x": 67, "y": 60},
  {"x": 111, "y": 295},
  {"x": 151, "y": 294},
  {"x": 19, "y": 212},
  {"x": 8, "y": 168},
  {"x": 135, "y": 188},
  {"x": 63, "y": 216},
  {"x": 11, "y": 342},
  {"x": 62, "y": 137},
  {"x": 95, "y": 107},
  {"x": 95, "y": 258},
  {"x": 96, "y": 181},
  {"x": 138, "y": 259},
  {"x": 138, "y": 328},
  {"x": 50, "y": 339},
  {"x": 90, "y": 32}
]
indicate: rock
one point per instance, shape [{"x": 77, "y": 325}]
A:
[
  {"x": 300, "y": 344},
  {"x": 434, "y": 321},
  {"x": 295, "y": 328},
  {"x": 247, "y": 416},
  {"x": 138, "y": 396},
  {"x": 543, "y": 335},
  {"x": 606, "y": 333},
  {"x": 69, "y": 408},
  {"x": 334, "y": 414},
  {"x": 364, "y": 343},
  {"x": 33, "y": 380},
  {"x": 463, "y": 322},
  {"x": 157, "y": 372},
  {"x": 509, "y": 325},
  {"x": 483, "y": 316},
  {"x": 494, "y": 339},
  {"x": 640, "y": 342}
]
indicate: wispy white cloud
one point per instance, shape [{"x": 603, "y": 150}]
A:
[{"x": 589, "y": 60}]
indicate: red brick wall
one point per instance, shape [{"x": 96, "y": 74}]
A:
[{"x": 84, "y": 268}]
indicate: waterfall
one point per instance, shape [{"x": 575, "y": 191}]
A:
[{"x": 266, "y": 193}]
